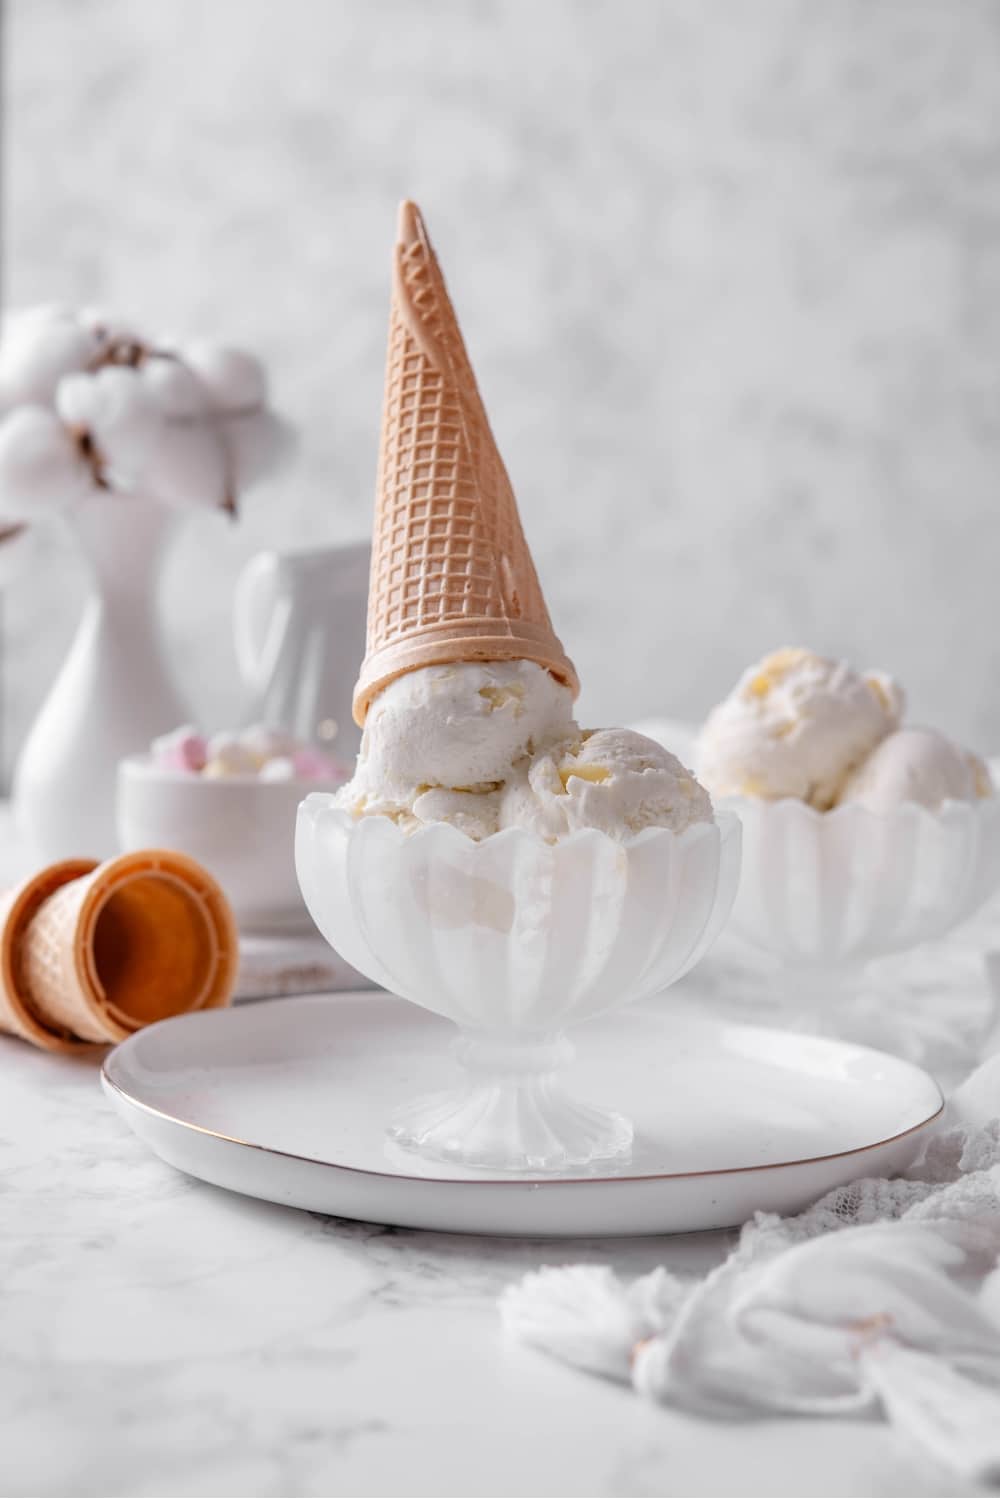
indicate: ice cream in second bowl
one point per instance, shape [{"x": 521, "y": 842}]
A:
[
  {"x": 489, "y": 859},
  {"x": 863, "y": 835}
]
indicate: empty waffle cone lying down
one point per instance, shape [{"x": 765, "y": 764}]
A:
[{"x": 91, "y": 953}]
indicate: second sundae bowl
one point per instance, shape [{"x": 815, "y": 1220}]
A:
[
  {"x": 825, "y": 893},
  {"x": 514, "y": 939}
]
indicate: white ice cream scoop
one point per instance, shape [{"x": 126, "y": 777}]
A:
[
  {"x": 613, "y": 779},
  {"x": 465, "y": 724},
  {"x": 916, "y": 765},
  {"x": 795, "y": 725},
  {"x": 461, "y": 728}
]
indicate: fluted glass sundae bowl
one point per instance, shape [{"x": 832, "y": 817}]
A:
[
  {"x": 515, "y": 939},
  {"x": 827, "y": 892}
]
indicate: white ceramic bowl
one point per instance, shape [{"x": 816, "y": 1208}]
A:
[
  {"x": 514, "y": 939},
  {"x": 241, "y": 829},
  {"x": 850, "y": 885}
]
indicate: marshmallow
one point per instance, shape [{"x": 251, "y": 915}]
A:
[
  {"x": 312, "y": 765},
  {"x": 304, "y": 764},
  {"x": 267, "y": 740},
  {"x": 183, "y": 749},
  {"x": 225, "y": 756},
  {"x": 281, "y": 768},
  {"x": 263, "y": 750}
]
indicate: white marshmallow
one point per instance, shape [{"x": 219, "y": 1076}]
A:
[
  {"x": 225, "y": 756},
  {"x": 268, "y": 740},
  {"x": 280, "y": 768}
]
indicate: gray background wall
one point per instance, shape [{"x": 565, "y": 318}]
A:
[{"x": 729, "y": 272}]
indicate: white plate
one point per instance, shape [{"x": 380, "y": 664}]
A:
[{"x": 287, "y": 1100}]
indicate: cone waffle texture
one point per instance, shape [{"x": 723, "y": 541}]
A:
[
  {"x": 452, "y": 578},
  {"x": 168, "y": 945},
  {"x": 19, "y": 1013},
  {"x": 54, "y": 971}
]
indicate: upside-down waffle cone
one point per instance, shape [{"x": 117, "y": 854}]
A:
[
  {"x": 452, "y": 578},
  {"x": 102, "y": 953}
]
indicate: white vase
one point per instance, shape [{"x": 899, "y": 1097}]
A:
[{"x": 114, "y": 692}]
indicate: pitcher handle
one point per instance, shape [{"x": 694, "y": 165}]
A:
[{"x": 253, "y": 611}]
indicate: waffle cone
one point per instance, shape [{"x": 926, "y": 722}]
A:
[
  {"x": 93, "y": 957},
  {"x": 452, "y": 578},
  {"x": 19, "y": 1014}
]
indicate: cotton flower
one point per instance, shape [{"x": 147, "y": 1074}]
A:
[
  {"x": 110, "y": 408},
  {"x": 38, "y": 348},
  {"x": 173, "y": 387},
  {"x": 114, "y": 410},
  {"x": 41, "y": 464},
  {"x": 108, "y": 328},
  {"x": 234, "y": 381}
]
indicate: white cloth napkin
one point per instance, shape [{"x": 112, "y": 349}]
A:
[{"x": 884, "y": 1296}]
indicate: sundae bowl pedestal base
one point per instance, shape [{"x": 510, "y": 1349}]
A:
[{"x": 511, "y": 1113}]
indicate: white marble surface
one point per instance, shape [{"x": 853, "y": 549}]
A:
[
  {"x": 161, "y": 1337},
  {"x": 730, "y": 275}
]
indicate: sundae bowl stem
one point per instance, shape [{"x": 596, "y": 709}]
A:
[{"x": 510, "y": 1113}]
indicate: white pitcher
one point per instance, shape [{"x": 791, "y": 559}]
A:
[{"x": 299, "y": 628}]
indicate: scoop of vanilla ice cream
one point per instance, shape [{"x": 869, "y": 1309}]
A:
[
  {"x": 440, "y": 742},
  {"x": 613, "y": 780},
  {"x": 796, "y": 725},
  {"x": 474, "y": 813},
  {"x": 916, "y": 765}
]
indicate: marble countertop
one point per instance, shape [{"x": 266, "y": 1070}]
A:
[{"x": 163, "y": 1337}]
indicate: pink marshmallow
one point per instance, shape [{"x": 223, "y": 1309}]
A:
[
  {"x": 182, "y": 750},
  {"x": 313, "y": 765}
]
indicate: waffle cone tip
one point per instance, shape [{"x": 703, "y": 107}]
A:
[{"x": 410, "y": 225}]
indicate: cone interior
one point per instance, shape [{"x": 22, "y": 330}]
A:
[
  {"x": 152, "y": 949},
  {"x": 452, "y": 577}
]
